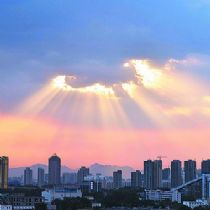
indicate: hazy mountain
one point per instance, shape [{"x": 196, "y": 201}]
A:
[
  {"x": 19, "y": 171},
  {"x": 107, "y": 170}
]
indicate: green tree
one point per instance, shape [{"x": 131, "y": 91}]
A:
[
  {"x": 183, "y": 207},
  {"x": 121, "y": 197},
  {"x": 40, "y": 206},
  {"x": 72, "y": 204}
]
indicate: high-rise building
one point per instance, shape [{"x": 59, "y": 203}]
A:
[
  {"x": 28, "y": 176},
  {"x": 73, "y": 177},
  {"x": 81, "y": 174},
  {"x": 189, "y": 170},
  {"x": 176, "y": 173},
  {"x": 157, "y": 174},
  {"x": 4, "y": 167},
  {"x": 166, "y": 173},
  {"x": 46, "y": 180},
  {"x": 153, "y": 174},
  {"x": 166, "y": 178},
  {"x": 40, "y": 177},
  {"x": 117, "y": 179},
  {"x": 205, "y": 166},
  {"x": 136, "y": 179},
  {"x": 148, "y": 174},
  {"x": 66, "y": 178},
  {"x": 54, "y": 170}
]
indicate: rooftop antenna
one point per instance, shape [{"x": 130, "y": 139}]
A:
[{"x": 159, "y": 157}]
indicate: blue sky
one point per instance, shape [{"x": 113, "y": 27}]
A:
[
  {"x": 92, "y": 38},
  {"x": 160, "y": 103}
]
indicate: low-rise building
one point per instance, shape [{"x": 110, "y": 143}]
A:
[
  {"x": 176, "y": 196},
  {"x": 96, "y": 205},
  {"x": 21, "y": 198},
  {"x": 51, "y": 207},
  {"x": 159, "y": 195},
  {"x": 193, "y": 204},
  {"x": 60, "y": 193},
  {"x": 5, "y": 207},
  {"x": 21, "y": 201}
]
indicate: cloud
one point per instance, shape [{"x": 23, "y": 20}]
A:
[
  {"x": 142, "y": 72},
  {"x": 206, "y": 99},
  {"x": 152, "y": 96},
  {"x": 183, "y": 111}
]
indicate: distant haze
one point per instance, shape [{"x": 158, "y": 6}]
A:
[{"x": 106, "y": 170}]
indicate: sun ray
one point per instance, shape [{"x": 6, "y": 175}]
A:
[
  {"x": 165, "y": 95},
  {"x": 161, "y": 94},
  {"x": 93, "y": 105}
]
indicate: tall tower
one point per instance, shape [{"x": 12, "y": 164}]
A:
[
  {"x": 166, "y": 173},
  {"x": 148, "y": 174},
  {"x": 4, "y": 167},
  {"x": 166, "y": 178},
  {"x": 82, "y": 172},
  {"x": 157, "y": 174},
  {"x": 117, "y": 179},
  {"x": 190, "y": 170},
  {"x": 205, "y": 167},
  {"x": 136, "y": 179},
  {"x": 176, "y": 173},
  {"x": 54, "y": 170},
  {"x": 40, "y": 181},
  {"x": 153, "y": 174},
  {"x": 28, "y": 174}
]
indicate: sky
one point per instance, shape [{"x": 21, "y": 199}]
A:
[{"x": 114, "y": 82}]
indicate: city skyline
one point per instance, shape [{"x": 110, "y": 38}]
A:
[
  {"x": 165, "y": 163},
  {"x": 114, "y": 82},
  {"x": 159, "y": 161},
  {"x": 153, "y": 177},
  {"x": 157, "y": 184}
]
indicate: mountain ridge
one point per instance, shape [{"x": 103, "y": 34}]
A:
[{"x": 95, "y": 168}]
